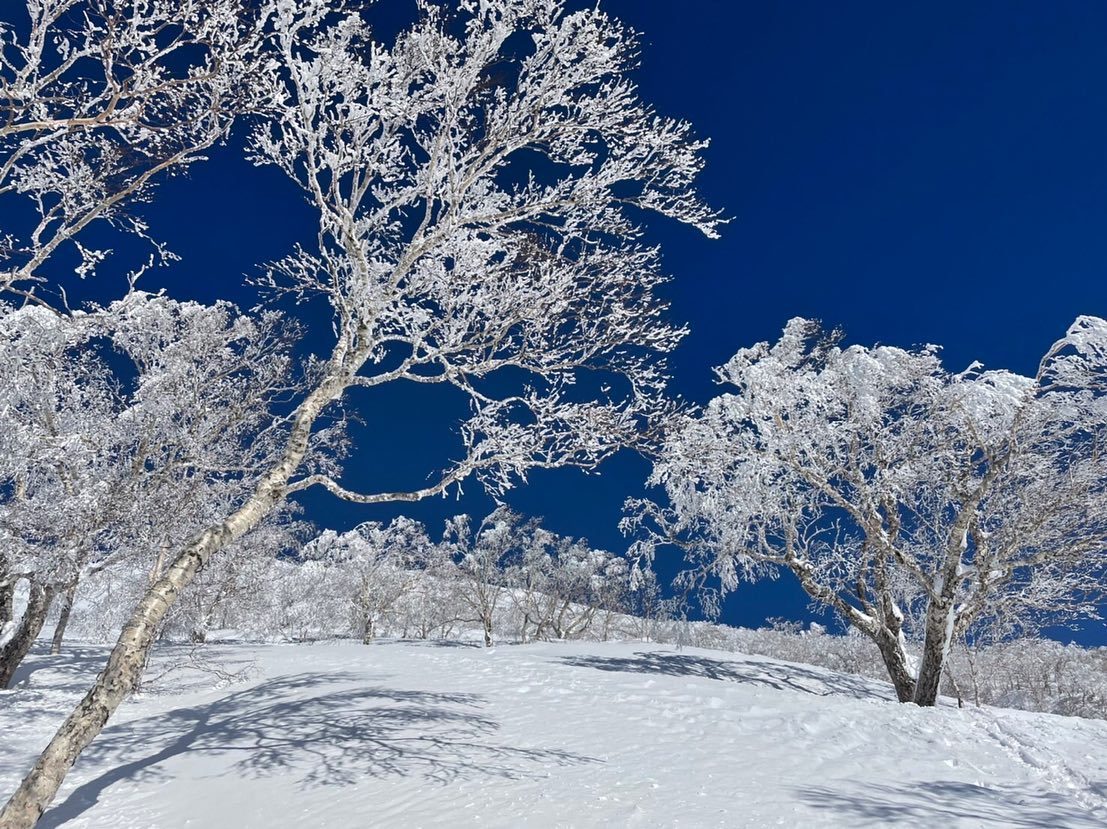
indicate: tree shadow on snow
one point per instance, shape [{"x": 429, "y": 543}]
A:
[
  {"x": 69, "y": 670},
  {"x": 945, "y": 803},
  {"x": 42, "y": 692},
  {"x": 318, "y": 730},
  {"x": 769, "y": 674},
  {"x": 75, "y": 667}
]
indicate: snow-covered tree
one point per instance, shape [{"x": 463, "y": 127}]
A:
[
  {"x": 56, "y": 408},
  {"x": 553, "y": 586},
  {"x": 123, "y": 430},
  {"x": 902, "y": 496},
  {"x": 479, "y": 183},
  {"x": 432, "y": 607},
  {"x": 531, "y": 574},
  {"x": 559, "y": 585},
  {"x": 480, "y": 555},
  {"x": 381, "y": 565}
]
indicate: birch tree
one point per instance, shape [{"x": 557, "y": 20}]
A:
[
  {"x": 479, "y": 183},
  {"x": 906, "y": 498},
  {"x": 42, "y": 403}
]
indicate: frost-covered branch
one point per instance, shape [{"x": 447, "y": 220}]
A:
[{"x": 100, "y": 99}]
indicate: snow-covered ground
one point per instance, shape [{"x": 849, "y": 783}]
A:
[{"x": 577, "y": 734}]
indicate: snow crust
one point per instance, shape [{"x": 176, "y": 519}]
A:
[{"x": 411, "y": 734}]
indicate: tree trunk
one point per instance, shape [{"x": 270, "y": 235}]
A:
[
  {"x": 487, "y": 632},
  {"x": 895, "y": 660},
  {"x": 63, "y": 619},
  {"x": 939, "y": 628},
  {"x": 16, "y": 649},
  {"x": 972, "y": 675},
  {"x": 368, "y": 631},
  {"x": 954, "y": 684}
]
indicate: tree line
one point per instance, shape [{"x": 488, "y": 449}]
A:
[{"x": 501, "y": 578}]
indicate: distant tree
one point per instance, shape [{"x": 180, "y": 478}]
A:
[
  {"x": 380, "y": 566},
  {"x": 559, "y": 585},
  {"x": 480, "y": 556},
  {"x": 651, "y": 613},
  {"x": 236, "y": 591},
  {"x": 899, "y": 495},
  {"x": 478, "y": 184},
  {"x": 431, "y": 607}
]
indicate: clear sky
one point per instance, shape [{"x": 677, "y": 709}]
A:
[{"x": 914, "y": 172}]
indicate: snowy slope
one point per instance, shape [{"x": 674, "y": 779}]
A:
[{"x": 577, "y": 734}]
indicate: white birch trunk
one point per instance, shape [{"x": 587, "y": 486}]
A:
[{"x": 939, "y": 636}]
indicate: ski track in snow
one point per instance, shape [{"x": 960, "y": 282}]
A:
[
  {"x": 1030, "y": 747},
  {"x": 425, "y": 734}
]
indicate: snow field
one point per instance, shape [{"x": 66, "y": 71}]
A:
[{"x": 404, "y": 734}]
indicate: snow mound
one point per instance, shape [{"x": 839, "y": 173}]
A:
[{"x": 548, "y": 734}]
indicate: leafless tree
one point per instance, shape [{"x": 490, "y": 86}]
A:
[{"x": 100, "y": 100}]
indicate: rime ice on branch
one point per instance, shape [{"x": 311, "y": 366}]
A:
[{"x": 101, "y": 99}]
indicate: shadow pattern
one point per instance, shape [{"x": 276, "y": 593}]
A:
[
  {"x": 768, "y": 674},
  {"x": 315, "y": 734},
  {"x": 948, "y": 803}
]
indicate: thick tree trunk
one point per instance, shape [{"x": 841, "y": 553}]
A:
[
  {"x": 367, "y": 631},
  {"x": 123, "y": 670},
  {"x": 487, "y": 632},
  {"x": 63, "y": 619},
  {"x": 16, "y": 649},
  {"x": 941, "y": 611},
  {"x": 939, "y": 631}
]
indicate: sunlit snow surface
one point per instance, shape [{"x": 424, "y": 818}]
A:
[{"x": 578, "y": 734}]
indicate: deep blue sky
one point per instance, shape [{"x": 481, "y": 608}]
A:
[{"x": 930, "y": 172}]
